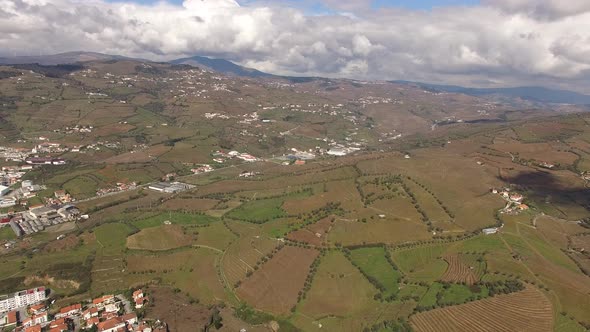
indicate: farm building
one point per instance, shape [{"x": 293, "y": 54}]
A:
[
  {"x": 489, "y": 231},
  {"x": 170, "y": 188}
]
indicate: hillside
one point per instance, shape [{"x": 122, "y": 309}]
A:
[
  {"x": 532, "y": 93},
  {"x": 311, "y": 205},
  {"x": 222, "y": 66}
]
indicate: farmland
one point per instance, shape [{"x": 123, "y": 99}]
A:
[
  {"x": 387, "y": 236},
  {"x": 528, "y": 310}
]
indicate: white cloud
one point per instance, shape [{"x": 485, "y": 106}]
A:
[
  {"x": 504, "y": 41},
  {"x": 543, "y": 9}
]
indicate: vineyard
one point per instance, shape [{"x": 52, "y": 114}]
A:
[
  {"x": 528, "y": 310},
  {"x": 463, "y": 268}
]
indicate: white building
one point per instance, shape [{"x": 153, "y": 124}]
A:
[
  {"x": 22, "y": 299},
  {"x": 4, "y": 190},
  {"x": 489, "y": 231}
]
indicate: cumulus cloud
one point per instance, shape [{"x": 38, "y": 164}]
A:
[
  {"x": 543, "y": 9},
  {"x": 502, "y": 42}
]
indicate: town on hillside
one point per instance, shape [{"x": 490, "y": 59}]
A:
[{"x": 34, "y": 310}]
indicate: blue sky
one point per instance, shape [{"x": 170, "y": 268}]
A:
[{"x": 316, "y": 5}]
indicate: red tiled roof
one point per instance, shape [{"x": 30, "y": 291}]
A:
[
  {"x": 109, "y": 324},
  {"x": 92, "y": 321},
  {"x": 36, "y": 328},
  {"x": 73, "y": 307},
  {"x": 12, "y": 318},
  {"x": 57, "y": 322},
  {"x": 59, "y": 328},
  {"x": 102, "y": 299}
]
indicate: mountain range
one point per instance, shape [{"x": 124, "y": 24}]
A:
[{"x": 530, "y": 93}]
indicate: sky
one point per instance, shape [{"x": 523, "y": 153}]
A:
[{"x": 483, "y": 43}]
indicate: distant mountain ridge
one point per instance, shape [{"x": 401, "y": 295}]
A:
[
  {"x": 531, "y": 93},
  {"x": 62, "y": 58},
  {"x": 222, "y": 66}
]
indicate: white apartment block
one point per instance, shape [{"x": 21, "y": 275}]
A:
[{"x": 21, "y": 299}]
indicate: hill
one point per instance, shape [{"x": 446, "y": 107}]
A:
[
  {"x": 221, "y": 66},
  {"x": 532, "y": 93},
  {"x": 61, "y": 58}
]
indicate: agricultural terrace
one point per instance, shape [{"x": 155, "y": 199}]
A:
[{"x": 528, "y": 310}]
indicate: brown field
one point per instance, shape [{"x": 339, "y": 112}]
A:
[
  {"x": 436, "y": 169},
  {"x": 163, "y": 237},
  {"x": 338, "y": 289},
  {"x": 581, "y": 242},
  {"x": 314, "y": 234},
  {"x": 537, "y": 151},
  {"x": 558, "y": 232},
  {"x": 141, "y": 156},
  {"x": 70, "y": 242},
  {"x": 189, "y": 204},
  {"x": 313, "y": 176},
  {"x": 176, "y": 310},
  {"x": 528, "y": 310},
  {"x": 191, "y": 270},
  {"x": 458, "y": 271},
  {"x": 275, "y": 286},
  {"x": 241, "y": 256},
  {"x": 389, "y": 230}
]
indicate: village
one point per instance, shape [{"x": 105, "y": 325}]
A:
[
  {"x": 33, "y": 310},
  {"x": 514, "y": 201}
]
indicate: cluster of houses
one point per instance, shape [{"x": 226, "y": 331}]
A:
[
  {"x": 78, "y": 129},
  {"x": 221, "y": 156},
  {"x": 119, "y": 187},
  {"x": 514, "y": 200},
  {"x": 246, "y": 174},
  {"x": 12, "y": 174},
  {"x": 14, "y": 154},
  {"x": 48, "y": 147},
  {"x": 109, "y": 313},
  {"x": 202, "y": 169}
]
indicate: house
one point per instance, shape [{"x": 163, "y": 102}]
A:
[
  {"x": 100, "y": 302},
  {"x": 36, "y": 320},
  {"x": 108, "y": 315},
  {"x": 60, "y": 328},
  {"x": 92, "y": 321},
  {"x": 11, "y": 319},
  {"x": 139, "y": 303},
  {"x": 72, "y": 310},
  {"x": 111, "y": 307},
  {"x": 523, "y": 207},
  {"x": 516, "y": 197},
  {"x": 89, "y": 313},
  {"x": 58, "y": 322},
  {"x": 129, "y": 318},
  {"x": 111, "y": 325},
  {"x": 37, "y": 308},
  {"x": 36, "y": 328}
]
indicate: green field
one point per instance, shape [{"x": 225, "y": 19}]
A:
[
  {"x": 111, "y": 237},
  {"x": 178, "y": 218},
  {"x": 259, "y": 211},
  {"x": 372, "y": 262},
  {"x": 421, "y": 263},
  {"x": 6, "y": 233}
]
